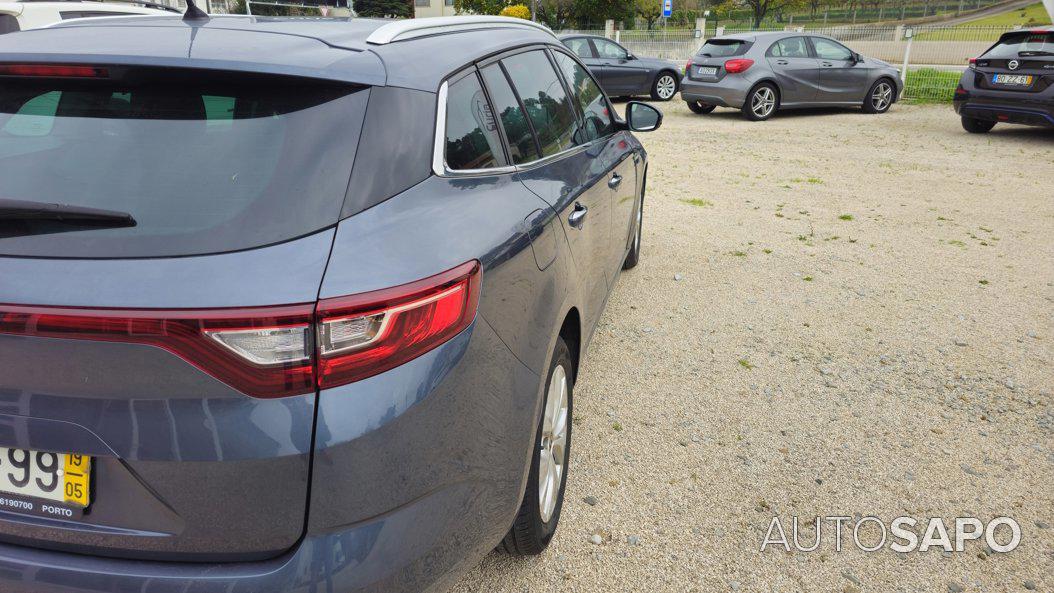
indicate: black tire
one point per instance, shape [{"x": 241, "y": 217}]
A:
[
  {"x": 700, "y": 107},
  {"x": 633, "y": 257},
  {"x": 977, "y": 126},
  {"x": 530, "y": 534},
  {"x": 872, "y": 102},
  {"x": 761, "y": 115},
  {"x": 665, "y": 78}
]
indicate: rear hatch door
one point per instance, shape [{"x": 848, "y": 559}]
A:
[
  {"x": 1022, "y": 61},
  {"x": 154, "y": 403}
]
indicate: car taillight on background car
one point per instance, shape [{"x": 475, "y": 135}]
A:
[
  {"x": 973, "y": 63},
  {"x": 286, "y": 350},
  {"x": 738, "y": 65},
  {"x": 687, "y": 67}
]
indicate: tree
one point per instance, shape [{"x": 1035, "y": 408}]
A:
[
  {"x": 649, "y": 10},
  {"x": 384, "y": 8},
  {"x": 480, "y": 6},
  {"x": 518, "y": 11},
  {"x": 592, "y": 13},
  {"x": 761, "y": 8},
  {"x": 556, "y": 14}
]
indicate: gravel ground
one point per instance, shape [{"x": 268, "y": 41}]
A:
[{"x": 835, "y": 314}]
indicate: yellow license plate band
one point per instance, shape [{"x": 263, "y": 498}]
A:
[{"x": 76, "y": 473}]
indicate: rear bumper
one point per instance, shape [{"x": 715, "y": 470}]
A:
[
  {"x": 417, "y": 474},
  {"x": 1025, "y": 114},
  {"x": 723, "y": 94}
]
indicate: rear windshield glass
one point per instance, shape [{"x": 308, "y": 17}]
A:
[
  {"x": 1023, "y": 45},
  {"x": 201, "y": 169},
  {"x": 722, "y": 48}
]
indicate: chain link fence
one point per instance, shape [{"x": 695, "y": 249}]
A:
[{"x": 931, "y": 58}]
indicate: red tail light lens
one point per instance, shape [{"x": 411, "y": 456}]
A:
[
  {"x": 254, "y": 350},
  {"x": 53, "y": 71},
  {"x": 687, "y": 67},
  {"x": 285, "y": 350},
  {"x": 973, "y": 63},
  {"x": 738, "y": 65},
  {"x": 367, "y": 334}
]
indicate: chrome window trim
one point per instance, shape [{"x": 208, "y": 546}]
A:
[{"x": 439, "y": 165}]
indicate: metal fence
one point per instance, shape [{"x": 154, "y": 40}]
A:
[{"x": 930, "y": 57}]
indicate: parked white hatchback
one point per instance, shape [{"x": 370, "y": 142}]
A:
[{"x": 31, "y": 14}]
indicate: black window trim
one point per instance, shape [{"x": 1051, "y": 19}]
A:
[
  {"x": 570, "y": 93},
  {"x": 439, "y": 165}
]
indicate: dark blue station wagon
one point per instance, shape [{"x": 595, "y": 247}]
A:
[{"x": 296, "y": 305}]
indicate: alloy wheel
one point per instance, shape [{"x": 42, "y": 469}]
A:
[
  {"x": 882, "y": 97},
  {"x": 665, "y": 87},
  {"x": 763, "y": 102},
  {"x": 552, "y": 451}
]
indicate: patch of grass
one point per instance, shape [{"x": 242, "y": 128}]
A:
[
  {"x": 745, "y": 364},
  {"x": 807, "y": 278},
  {"x": 929, "y": 85},
  {"x": 957, "y": 243},
  {"x": 1033, "y": 14},
  {"x": 846, "y": 217},
  {"x": 983, "y": 282},
  {"x": 814, "y": 180},
  {"x": 766, "y": 251},
  {"x": 738, "y": 253},
  {"x": 617, "y": 426},
  {"x": 698, "y": 202}
]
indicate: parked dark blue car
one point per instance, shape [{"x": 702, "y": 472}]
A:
[{"x": 296, "y": 305}]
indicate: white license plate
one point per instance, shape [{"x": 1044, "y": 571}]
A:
[
  {"x": 1012, "y": 79},
  {"x": 706, "y": 70},
  {"x": 58, "y": 477}
]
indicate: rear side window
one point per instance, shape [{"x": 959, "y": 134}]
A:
[
  {"x": 8, "y": 24},
  {"x": 522, "y": 148},
  {"x": 723, "y": 48},
  {"x": 547, "y": 104},
  {"x": 1023, "y": 45},
  {"x": 596, "y": 113},
  {"x": 472, "y": 140},
  {"x": 580, "y": 46},
  {"x": 794, "y": 47},
  {"x": 203, "y": 167}
]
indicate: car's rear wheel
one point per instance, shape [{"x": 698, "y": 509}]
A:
[
  {"x": 761, "y": 102},
  {"x": 664, "y": 87},
  {"x": 539, "y": 512},
  {"x": 700, "y": 107},
  {"x": 977, "y": 126},
  {"x": 880, "y": 98}
]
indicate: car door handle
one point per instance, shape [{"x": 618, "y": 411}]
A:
[
  {"x": 827, "y": 64},
  {"x": 615, "y": 181},
  {"x": 782, "y": 62},
  {"x": 578, "y": 217}
]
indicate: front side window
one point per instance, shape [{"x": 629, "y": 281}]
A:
[
  {"x": 522, "y": 148},
  {"x": 472, "y": 140},
  {"x": 548, "y": 106},
  {"x": 793, "y": 47},
  {"x": 609, "y": 49},
  {"x": 829, "y": 50},
  {"x": 580, "y": 46},
  {"x": 596, "y": 113}
]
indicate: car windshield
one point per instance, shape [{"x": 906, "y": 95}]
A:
[
  {"x": 1022, "y": 44},
  {"x": 721, "y": 48},
  {"x": 208, "y": 169}
]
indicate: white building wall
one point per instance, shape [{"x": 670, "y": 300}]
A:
[{"x": 427, "y": 8}]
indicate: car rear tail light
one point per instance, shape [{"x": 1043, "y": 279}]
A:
[
  {"x": 738, "y": 65},
  {"x": 973, "y": 63},
  {"x": 53, "y": 71},
  {"x": 363, "y": 335},
  {"x": 286, "y": 350},
  {"x": 687, "y": 67}
]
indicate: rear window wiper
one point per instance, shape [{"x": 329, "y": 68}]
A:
[
  {"x": 1036, "y": 52},
  {"x": 22, "y": 210}
]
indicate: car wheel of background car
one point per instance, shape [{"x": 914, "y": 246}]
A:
[
  {"x": 634, "y": 253},
  {"x": 880, "y": 98},
  {"x": 664, "y": 87},
  {"x": 977, "y": 126},
  {"x": 700, "y": 107},
  {"x": 539, "y": 512},
  {"x": 761, "y": 102}
]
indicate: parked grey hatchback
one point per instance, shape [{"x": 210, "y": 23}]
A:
[
  {"x": 761, "y": 73},
  {"x": 296, "y": 305}
]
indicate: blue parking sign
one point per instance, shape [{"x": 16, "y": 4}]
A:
[{"x": 667, "y": 8}]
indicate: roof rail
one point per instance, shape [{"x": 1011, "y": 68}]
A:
[{"x": 411, "y": 28}]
